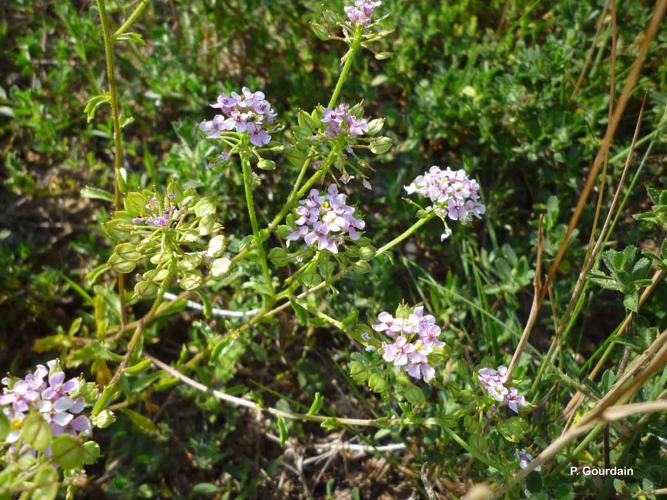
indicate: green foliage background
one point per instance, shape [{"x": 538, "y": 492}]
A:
[{"x": 488, "y": 86}]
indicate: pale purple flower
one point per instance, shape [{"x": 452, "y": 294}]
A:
[
  {"x": 248, "y": 112},
  {"x": 415, "y": 338},
  {"x": 494, "y": 382},
  {"x": 513, "y": 399},
  {"x": 498, "y": 392},
  {"x": 76, "y": 426},
  {"x": 452, "y": 192},
  {"x": 361, "y": 12},
  {"x": 59, "y": 387},
  {"x": 340, "y": 121},
  {"x": 21, "y": 396},
  {"x": 489, "y": 377},
  {"x": 54, "y": 399},
  {"x": 420, "y": 369},
  {"x": 525, "y": 459},
  {"x": 325, "y": 219},
  {"x": 388, "y": 324},
  {"x": 430, "y": 336},
  {"x": 398, "y": 351},
  {"x": 158, "y": 215}
]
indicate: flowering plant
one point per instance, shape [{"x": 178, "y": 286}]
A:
[
  {"x": 45, "y": 424},
  {"x": 305, "y": 216}
]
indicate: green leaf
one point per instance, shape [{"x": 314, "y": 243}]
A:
[
  {"x": 93, "y": 193},
  {"x": 204, "y": 207},
  {"x": 47, "y": 482},
  {"x": 513, "y": 429},
  {"x": 380, "y": 145},
  {"x": 130, "y": 37},
  {"x": 68, "y": 452},
  {"x": 206, "y": 303},
  {"x": 91, "y": 452},
  {"x": 143, "y": 424},
  {"x": 282, "y": 428},
  {"x": 300, "y": 311},
  {"x": 206, "y": 488},
  {"x": 631, "y": 301},
  {"x": 317, "y": 404},
  {"x": 36, "y": 432},
  {"x": 320, "y": 31},
  {"x": 93, "y": 103},
  {"x": 135, "y": 203}
]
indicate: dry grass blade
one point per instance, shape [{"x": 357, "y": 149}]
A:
[
  {"x": 651, "y": 31},
  {"x": 535, "y": 307}
]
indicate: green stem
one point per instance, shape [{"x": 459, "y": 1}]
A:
[
  {"x": 298, "y": 192},
  {"x": 247, "y": 183},
  {"x": 267, "y": 312},
  {"x": 408, "y": 232},
  {"x": 117, "y": 138},
  {"x": 349, "y": 57},
  {"x": 130, "y": 20}
]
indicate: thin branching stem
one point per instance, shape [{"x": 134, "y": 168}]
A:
[{"x": 117, "y": 137}]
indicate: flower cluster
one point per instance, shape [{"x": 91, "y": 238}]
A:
[
  {"x": 249, "y": 112},
  {"x": 325, "y": 219},
  {"x": 524, "y": 460},
  {"x": 494, "y": 381},
  {"x": 414, "y": 339},
  {"x": 158, "y": 216},
  {"x": 453, "y": 193},
  {"x": 48, "y": 392},
  {"x": 361, "y": 12},
  {"x": 340, "y": 120}
]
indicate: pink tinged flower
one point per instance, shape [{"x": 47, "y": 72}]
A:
[
  {"x": 453, "y": 193},
  {"x": 497, "y": 392},
  {"x": 210, "y": 128},
  {"x": 259, "y": 137},
  {"x": 325, "y": 219},
  {"x": 20, "y": 396},
  {"x": 388, "y": 324},
  {"x": 430, "y": 336},
  {"x": 489, "y": 377},
  {"x": 58, "y": 387},
  {"x": 513, "y": 399},
  {"x": 398, "y": 352},
  {"x": 78, "y": 425},
  {"x": 421, "y": 370}
]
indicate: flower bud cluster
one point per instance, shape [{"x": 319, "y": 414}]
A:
[
  {"x": 340, "y": 121},
  {"x": 361, "y": 12}
]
